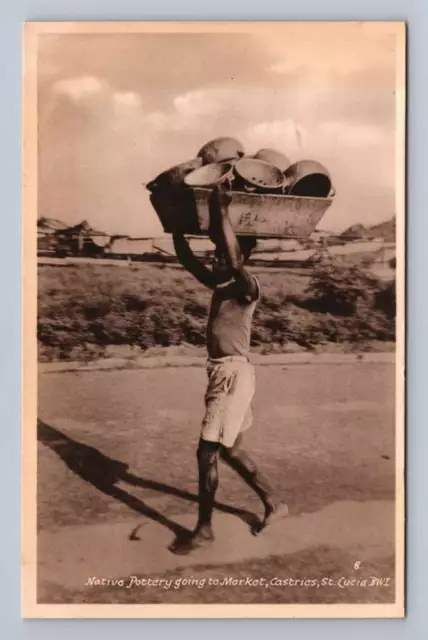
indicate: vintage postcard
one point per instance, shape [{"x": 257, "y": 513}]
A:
[{"x": 213, "y": 329}]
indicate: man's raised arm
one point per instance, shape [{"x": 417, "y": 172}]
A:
[
  {"x": 221, "y": 228},
  {"x": 190, "y": 262}
]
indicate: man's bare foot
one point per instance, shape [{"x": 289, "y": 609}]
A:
[
  {"x": 201, "y": 537},
  {"x": 273, "y": 514}
]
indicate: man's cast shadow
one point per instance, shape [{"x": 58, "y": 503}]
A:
[{"x": 104, "y": 473}]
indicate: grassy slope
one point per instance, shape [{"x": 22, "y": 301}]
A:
[{"x": 83, "y": 309}]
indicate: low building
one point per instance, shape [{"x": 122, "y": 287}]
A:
[
  {"x": 129, "y": 247},
  {"x": 81, "y": 240},
  {"x": 47, "y": 229}
]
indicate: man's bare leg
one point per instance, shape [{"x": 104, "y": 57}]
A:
[
  {"x": 239, "y": 460},
  {"x": 207, "y": 456}
]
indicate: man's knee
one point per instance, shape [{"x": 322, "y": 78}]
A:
[
  {"x": 236, "y": 456},
  {"x": 207, "y": 452},
  {"x": 233, "y": 452}
]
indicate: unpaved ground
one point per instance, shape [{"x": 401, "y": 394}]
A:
[{"x": 117, "y": 482}]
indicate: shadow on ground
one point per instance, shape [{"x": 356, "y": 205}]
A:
[{"x": 104, "y": 473}]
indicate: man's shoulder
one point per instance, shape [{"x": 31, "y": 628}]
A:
[
  {"x": 243, "y": 297},
  {"x": 253, "y": 295},
  {"x": 257, "y": 283}
]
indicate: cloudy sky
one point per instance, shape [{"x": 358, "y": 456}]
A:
[{"x": 116, "y": 109}]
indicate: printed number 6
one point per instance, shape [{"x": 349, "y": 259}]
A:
[{"x": 357, "y": 565}]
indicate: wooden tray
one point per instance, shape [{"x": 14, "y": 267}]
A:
[{"x": 253, "y": 214}]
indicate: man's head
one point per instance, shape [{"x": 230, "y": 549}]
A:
[{"x": 221, "y": 266}]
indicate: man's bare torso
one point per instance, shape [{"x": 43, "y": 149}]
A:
[{"x": 229, "y": 322}]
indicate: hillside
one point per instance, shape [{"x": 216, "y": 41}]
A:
[{"x": 385, "y": 230}]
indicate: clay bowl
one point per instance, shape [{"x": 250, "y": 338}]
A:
[
  {"x": 174, "y": 176},
  {"x": 210, "y": 175},
  {"x": 257, "y": 176}
]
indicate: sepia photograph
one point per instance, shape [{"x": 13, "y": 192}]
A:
[{"x": 213, "y": 360}]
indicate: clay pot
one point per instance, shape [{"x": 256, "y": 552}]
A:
[
  {"x": 273, "y": 157},
  {"x": 221, "y": 150},
  {"x": 308, "y": 178}
]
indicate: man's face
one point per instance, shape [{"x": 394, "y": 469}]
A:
[{"x": 220, "y": 264}]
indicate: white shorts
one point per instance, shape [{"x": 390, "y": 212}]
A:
[{"x": 231, "y": 386}]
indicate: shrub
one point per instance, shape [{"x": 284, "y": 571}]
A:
[
  {"x": 366, "y": 304},
  {"x": 342, "y": 290}
]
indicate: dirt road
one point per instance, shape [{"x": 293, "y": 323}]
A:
[{"x": 117, "y": 482}]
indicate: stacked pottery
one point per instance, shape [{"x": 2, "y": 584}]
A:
[{"x": 224, "y": 160}]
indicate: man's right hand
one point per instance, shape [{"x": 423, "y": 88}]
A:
[{"x": 219, "y": 202}]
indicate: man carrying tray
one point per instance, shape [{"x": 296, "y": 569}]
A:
[{"x": 231, "y": 379}]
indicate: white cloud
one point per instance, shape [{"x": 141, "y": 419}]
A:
[
  {"x": 80, "y": 87},
  {"x": 287, "y": 135},
  {"x": 354, "y": 135},
  {"x": 158, "y": 119},
  {"x": 119, "y": 142},
  {"x": 297, "y": 138},
  {"x": 194, "y": 104},
  {"x": 221, "y": 110},
  {"x": 104, "y": 136},
  {"x": 197, "y": 109},
  {"x": 316, "y": 65},
  {"x": 88, "y": 88},
  {"x": 128, "y": 99},
  {"x": 335, "y": 50}
]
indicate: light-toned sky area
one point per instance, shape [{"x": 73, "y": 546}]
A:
[{"x": 114, "y": 110}]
